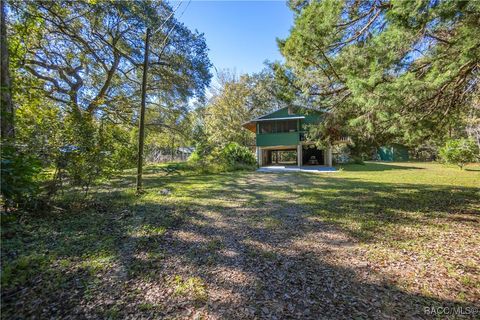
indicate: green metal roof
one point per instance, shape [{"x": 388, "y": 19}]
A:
[
  {"x": 283, "y": 114},
  {"x": 282, "y": 118},
  {"x": 280, "y": 113}
]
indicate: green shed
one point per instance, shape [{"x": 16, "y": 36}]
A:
[{"x": 395, "y": 152}]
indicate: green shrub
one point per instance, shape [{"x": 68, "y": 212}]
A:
[
  {"x": 94, "y": 152},
  {"x": 19, "y": 177},
  {"x": 459, "y": 152},
  {"x": 194, "y": 157},
  {"x": 230, "y": 158},
  {"x": 201, "y": 155},
  {"x": 234, "y": 154}
]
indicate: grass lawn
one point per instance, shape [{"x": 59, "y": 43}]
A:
[{"x": 370, "y": 241}]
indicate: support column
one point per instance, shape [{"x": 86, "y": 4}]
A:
[
  {"x": 259, "y": 156},
  {"x": 329, "y": 157},
  {"x": 299, "y": 155}
]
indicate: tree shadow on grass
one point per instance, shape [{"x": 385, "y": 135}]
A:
[
  {"x": 376, "y": 166},
  {"x": 369, "y": 207},
  {"x": 261, "y": 270},
  {"x": 234, "y": 246}
]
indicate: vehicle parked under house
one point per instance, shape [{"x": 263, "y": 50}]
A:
[{"x": 280, "y": 138}]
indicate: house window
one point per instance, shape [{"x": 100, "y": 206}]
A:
[
  {"x": 292, "y": 126},
  {"x": 267, "y": 127},
  {"x": 282, "y": 126},
  {"x": 286, "y": 126},
  {"x": 279, "y": 126}
]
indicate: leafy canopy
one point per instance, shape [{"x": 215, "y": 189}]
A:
[
  {"x": 76, "y": 68},
  {"x": 386, "y": 68},
  {"x": 236, "y": 100},
  {"x": 88, "y": 54}
]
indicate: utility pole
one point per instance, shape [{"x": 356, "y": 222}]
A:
[{"x": 141, "y": 137}]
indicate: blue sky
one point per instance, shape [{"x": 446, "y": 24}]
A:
[{"x": 240, "y": 34}]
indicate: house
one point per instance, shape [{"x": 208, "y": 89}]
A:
[
  {"x": 185, "y": 152},
  {"x": 280, "y": 138}
]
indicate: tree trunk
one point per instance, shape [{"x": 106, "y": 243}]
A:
[{"x": 7, "y": 110}]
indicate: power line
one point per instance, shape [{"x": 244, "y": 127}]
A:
[
  {"x": 164, "y": 43},
  {"x": 168, "y": 18}
]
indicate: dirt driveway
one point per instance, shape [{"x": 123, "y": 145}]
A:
[{"x": 259, "y": 252}]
